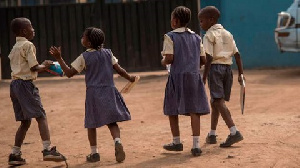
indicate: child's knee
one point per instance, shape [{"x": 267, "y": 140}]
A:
[
  {"x": 25, "y": 124},
  {"x": 218, "y": 103},
  {"x": 195, "y": 115},
  {"x": 111, "y": 125}
]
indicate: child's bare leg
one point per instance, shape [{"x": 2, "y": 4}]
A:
[
  {"x": 92, "y": 135},
  {"x": 235, "y": 136},
  {"x": 43, "y": 128},
  {"x": 195, "y": 123},
  {"x": 15, "y": 156},
  {"x": 225, "y": 113},
  {"x": 115, "y": 133},
  {"x": 94, "y": 156},
  {"x": 214, "y": 117},
  {"x": 176, "y": 145},
  {"x": 21, "y": 132},
  {"x": 49, "y": 154},
  {"x": 114, "y": 130},
  {"x": 174, "y": 125}
]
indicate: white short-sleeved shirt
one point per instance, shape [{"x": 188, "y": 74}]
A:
[
  {"x": 168, "y": 46},
  {"x": 79, "y": 62},
  {"x": 219, "y": 43},
  {"x": 22, "y": 58}
]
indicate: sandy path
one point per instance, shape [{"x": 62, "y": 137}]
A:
[{"x": 271, "y": 125}]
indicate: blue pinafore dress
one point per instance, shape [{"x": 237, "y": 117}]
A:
[
  {"x": 185, "y": 91},
  {"x": 104, "y": 104}
]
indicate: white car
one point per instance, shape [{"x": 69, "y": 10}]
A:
[{"x": 287, "y": 33}]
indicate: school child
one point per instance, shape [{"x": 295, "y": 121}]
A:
[
  {"x": 25, "y": 95},
  {"x": 219, "y": 46},
  {"x": 185, "y": 92},
  {"x": 104, "y": 105}
]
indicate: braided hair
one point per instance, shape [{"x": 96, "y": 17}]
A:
[
  {"x": 95, "y": 36},
  {"x": 183, "y": 14}
]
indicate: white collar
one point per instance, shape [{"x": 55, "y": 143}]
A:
[
  {"x": 216, "y": 26},
  {"x": 90, "y": 50},
  {"x": 21, "y": 39},
  {"x": 182, "y": 29}
]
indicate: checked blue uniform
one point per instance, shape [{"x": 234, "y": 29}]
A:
[
  {"x": 104, "y": 104},
  {"x": 185, "y": 91}
]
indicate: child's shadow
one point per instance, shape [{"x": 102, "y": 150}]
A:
[
  {"x": 168, "y": 160},
  {"x": 63, "y": 166}
]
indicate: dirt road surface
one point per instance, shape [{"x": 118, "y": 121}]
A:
[{"x": 270, "y": 125}]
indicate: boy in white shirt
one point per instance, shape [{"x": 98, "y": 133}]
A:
[
  {"x": 25, "y": 95},
  {"x": 219, "y": 46}
]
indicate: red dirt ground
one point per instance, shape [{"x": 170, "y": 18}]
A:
[{"x": 270, "y": 125}]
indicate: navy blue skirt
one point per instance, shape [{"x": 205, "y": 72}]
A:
[
  {"x": 104, "y": 105},
  {"x": 185, "y": 94}
]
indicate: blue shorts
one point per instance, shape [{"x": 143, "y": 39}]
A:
[
  {"x": 220, "y": 81},
  {"x": 26, "y": 100}
]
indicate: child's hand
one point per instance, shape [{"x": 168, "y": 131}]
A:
[
  {"x": 47, "y": 63},
  {"x": 132, "y": 78},
  {"x": 55, "y": 52},
  {"x": 240, "y": 79}
]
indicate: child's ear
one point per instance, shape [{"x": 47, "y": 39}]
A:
[
  {"x": 24, "y": 31},
  {"x": 177, "y": 21},
  {"x": 212, "y": 20}
]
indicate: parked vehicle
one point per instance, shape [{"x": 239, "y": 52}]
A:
[{"x": 287, "y": 32}]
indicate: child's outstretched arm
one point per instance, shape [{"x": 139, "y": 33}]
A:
[
  {"x": 167, "y": 59},
  {"x": 209, "y": 60},
  {"x": 239, "y": 64},
  {"x": 56, "y": 53},
  {"x": 122, "y": 72},
  {"x": 41, "y": 68}
]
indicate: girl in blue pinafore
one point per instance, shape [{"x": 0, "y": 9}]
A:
[
  {"x": 104, "y": 105},
  {"x": 185, "y": 92}
]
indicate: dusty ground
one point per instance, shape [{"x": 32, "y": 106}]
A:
[{"x": 270, "y": 125}]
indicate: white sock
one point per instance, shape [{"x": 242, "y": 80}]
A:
[
  {"x": 117, "y": 140},
  {"x": 94, "y": 149},
  {"x": 196, "y": 142},
  {"x": 176, "y": 140},
  {"x": 212, "y": 132},
  {"x": 46, "y": 145},
  {"x": 233, "y": 130},
  {"x": 16, "y": 150}
]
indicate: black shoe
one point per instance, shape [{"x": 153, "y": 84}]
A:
[
  {"x": 16, "y": 160},
  {"x": 53, "y": 155},
  {"x": 95, "y": 157},
  {"x": 196, "y": 151},
  {"x": 173, "y": 147},
  {"x": 231, "y": 139},
  {"x": 119, "y": 152},
  {"x": 211, "y": 139}
]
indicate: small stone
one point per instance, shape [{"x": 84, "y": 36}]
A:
[{"x": 230, "y": 156}]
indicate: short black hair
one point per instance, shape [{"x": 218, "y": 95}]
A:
[
  {"x": 183, "y": 14},
  {"x": 210, "y": 12},
  {"x": 95, "y": 36},
  {"x": 18, "y": 24}
]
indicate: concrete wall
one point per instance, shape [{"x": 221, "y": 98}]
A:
[{"x": 252, "y": 24}]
